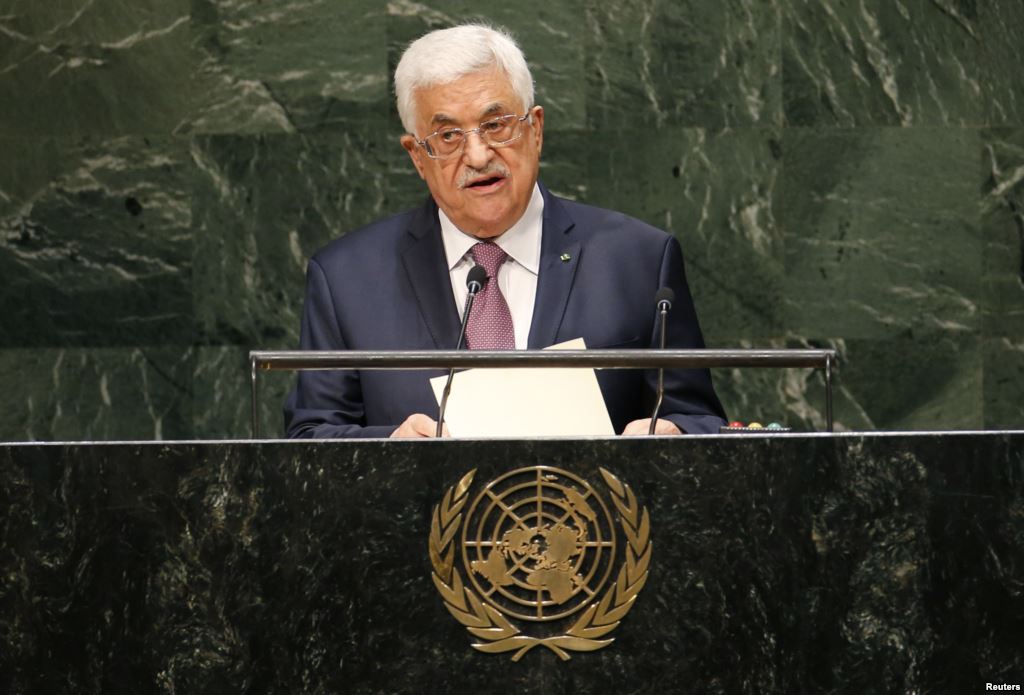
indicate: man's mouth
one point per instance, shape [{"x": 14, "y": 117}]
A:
[{"x": 485, "y": 182}]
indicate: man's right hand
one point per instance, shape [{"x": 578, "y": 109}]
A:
[{"x": 418, "y": 425}]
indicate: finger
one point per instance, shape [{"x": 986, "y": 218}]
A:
[
  {"x": 666, "y": 427},
  {"x": 413, "y": 426},
  {"x": 637, "y": 427},
  {"x": 423, "y": 425},
  {"x": 404, "y": 431}
]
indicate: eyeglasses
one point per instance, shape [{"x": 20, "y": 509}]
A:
[{"x": 496, "y": 132}]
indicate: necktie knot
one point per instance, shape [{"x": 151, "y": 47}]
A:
[{"x": 490, "y": 256}]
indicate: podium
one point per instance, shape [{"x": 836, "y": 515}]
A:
[{"x": 843, "y": 563}]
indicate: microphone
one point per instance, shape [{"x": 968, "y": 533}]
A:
[
  {"x": 474, "y": 283},
  {"x": 663, "y": 299}
]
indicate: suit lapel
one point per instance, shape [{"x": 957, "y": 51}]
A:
[
  {"x": 426, "y": 266},
  {"x": 559, "y": 258}
]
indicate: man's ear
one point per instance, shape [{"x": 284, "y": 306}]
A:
[
  {"x": 415, "y": 153},
  {"x": 537, "y": 115}
]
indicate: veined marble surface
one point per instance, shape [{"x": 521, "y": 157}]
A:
[
  {"x": 285, "y": 67},
  {"x": 901, "y": 62},
  {"x": 1002, "y": 220},
  {"x": 881, "y": 235},
  {"x": 846, "y": 564},
  {"x": 839, "y": 173},
  {"x": 95, "y": 242},
  {"x": 714, "y": 191},
  {"x": 690, "y": 63},
  {"x": 95, "y": 67},
  {"x": 95, "y": 394}
]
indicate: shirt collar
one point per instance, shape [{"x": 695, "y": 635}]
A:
[{"x": 521, "y": 242}]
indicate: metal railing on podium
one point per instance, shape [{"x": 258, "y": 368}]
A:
[{"x": 306, "y": 360}]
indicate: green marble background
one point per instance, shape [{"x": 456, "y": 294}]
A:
[{"x": 844, "y": 174}]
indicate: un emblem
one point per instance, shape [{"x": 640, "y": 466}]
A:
[{"x": 539, "y": 544}]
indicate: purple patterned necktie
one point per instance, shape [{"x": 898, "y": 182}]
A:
[{"x": 490, "y": 322}]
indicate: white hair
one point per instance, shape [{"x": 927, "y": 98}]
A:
[{"x": 445, "y": 55}]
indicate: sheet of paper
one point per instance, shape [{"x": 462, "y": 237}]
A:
[{"x": 526, "y": 402}]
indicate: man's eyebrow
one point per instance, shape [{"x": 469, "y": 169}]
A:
[
  {"x": 497, "y": 108},
  {"x": 494, "y": 109},
  {"x": 443, "y": 119}
]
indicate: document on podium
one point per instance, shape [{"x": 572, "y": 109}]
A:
[{"x": 522, "y": 402}]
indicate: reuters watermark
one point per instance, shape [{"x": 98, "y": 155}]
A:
[{"x": 1002, "y": 686}]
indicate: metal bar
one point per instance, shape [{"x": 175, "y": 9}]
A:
[
  {"x": 255, "y": 397},
  {"x": 828, "y": 393},
  {"x": 264, "y": 360},
  {"x": 545, "y": 359}
]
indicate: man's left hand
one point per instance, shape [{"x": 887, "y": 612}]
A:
[{"x": 640, "y": 427}]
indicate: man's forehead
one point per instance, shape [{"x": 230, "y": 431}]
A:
[{"x": 473, "y": 96}]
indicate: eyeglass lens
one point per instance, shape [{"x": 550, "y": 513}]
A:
[{"x": 497, "y": 131}]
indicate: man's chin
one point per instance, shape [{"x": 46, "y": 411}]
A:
[
  {"x": 485, "y": 224},
  {"x": 486, "y": 231}
]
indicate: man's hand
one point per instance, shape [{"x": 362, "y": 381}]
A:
[
  {"x": 639, "y": 427},
  {"x": 418, "y": 425}
]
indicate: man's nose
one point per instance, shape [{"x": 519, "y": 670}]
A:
[{"x": 477, "y": 152}]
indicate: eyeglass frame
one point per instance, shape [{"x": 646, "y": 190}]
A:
[{"x": 465, "y": 135}]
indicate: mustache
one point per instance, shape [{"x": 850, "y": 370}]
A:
[{"x": 493, "y": 169}]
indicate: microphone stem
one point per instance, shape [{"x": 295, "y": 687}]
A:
[
  {"x": 451, "y": 372},
  {"x": 662, "y": 319}
]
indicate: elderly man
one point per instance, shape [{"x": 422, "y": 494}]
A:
[{"x": 557, "y": 270}]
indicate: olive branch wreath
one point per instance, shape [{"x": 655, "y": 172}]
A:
[{"x": 488, "y": 624}]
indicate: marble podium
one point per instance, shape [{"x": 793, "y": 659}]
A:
[{"x": 796, "y": 563}]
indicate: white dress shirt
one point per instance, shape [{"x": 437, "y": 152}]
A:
[{"x": 517, "y": 276}]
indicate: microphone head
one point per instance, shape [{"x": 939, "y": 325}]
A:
[
  {"x": 665, "y": 294},
  {"x": 476, "y": 279}
]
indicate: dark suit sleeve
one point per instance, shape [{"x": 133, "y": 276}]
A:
[
  {"x": 690, "y": 401},
  {"x": 325, "y": 404}
]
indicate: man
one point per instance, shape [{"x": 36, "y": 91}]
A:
[{"x": 557, "y": 270}]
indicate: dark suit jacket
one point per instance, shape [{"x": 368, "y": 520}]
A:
[{"x": 386, "y": 287}]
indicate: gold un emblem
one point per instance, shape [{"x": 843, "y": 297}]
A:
[{"x": 538, "y": 544}]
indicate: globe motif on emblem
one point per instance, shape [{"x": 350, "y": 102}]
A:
[{"x": 538, "y": 543}]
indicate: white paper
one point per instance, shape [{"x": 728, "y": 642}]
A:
[{"x": 525, "y": 402}]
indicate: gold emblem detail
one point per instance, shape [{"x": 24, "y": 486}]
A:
[{"x": 538, "y": 544}]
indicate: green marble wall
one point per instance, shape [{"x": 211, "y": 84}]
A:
[{"x": 845, "y": 174}]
